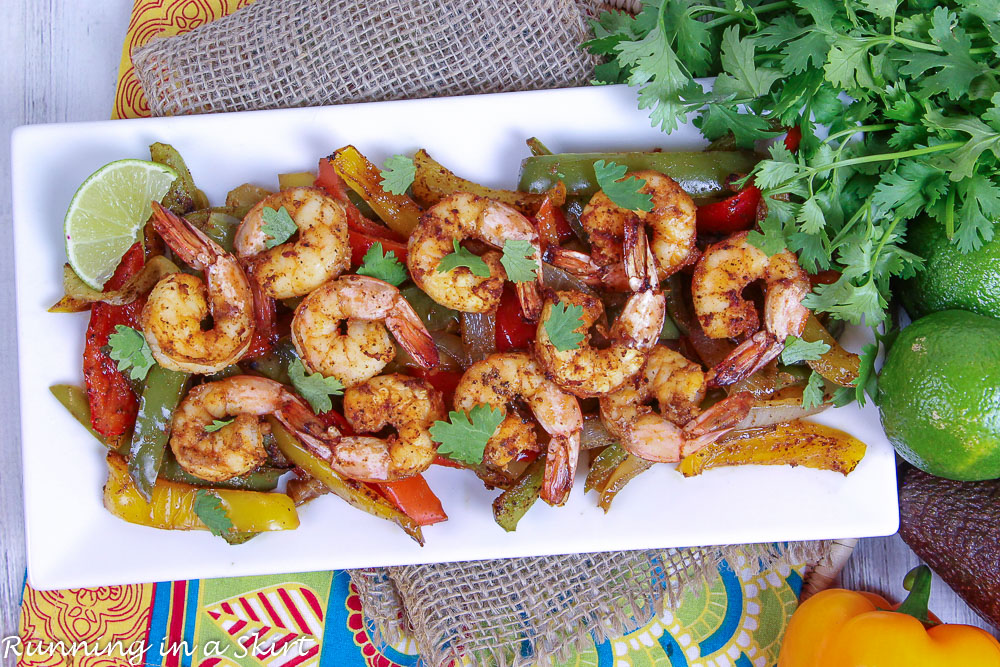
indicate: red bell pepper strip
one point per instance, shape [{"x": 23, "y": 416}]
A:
[
  {"x": 443, "y": 381},
  {"x": 361, "y": 242},
  {"x": 113, "y": 404},
  {"x": 412, "y": 496},
  {"x": 513, "y": 330},
  {"x": 448, "y": 463},
  {"x": 733, "y": 214},
  {"x": 552, "y": 226},
  {"x": 793, "y": 139}
]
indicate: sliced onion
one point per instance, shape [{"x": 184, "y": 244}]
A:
[
  {"x": 79, "y": 295},
  {"x": 479, "y": 336},
  {"x": 451, "y": 353},
  {"x": 595, "y": 434},
  {"x": 557, "y": 279},
  {"x": 784, "y": 406}
]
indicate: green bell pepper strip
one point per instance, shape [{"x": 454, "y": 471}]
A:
[
  {"x": 74, "y": 399},
  {"x": 163, "y": 392},
  {"x": 273, "y": 364},
  {"x": 700, "y": 174},
  {"x": 263, "y": 479},
  {"x": 434, "y": 316},
  {"x": 625, "y": 472},
  {"x": 603, "y": 465},
  {"x": 512, "y": 504},
  {"x": 218, "y": 224},
  {"x": 182, "y": 197}
]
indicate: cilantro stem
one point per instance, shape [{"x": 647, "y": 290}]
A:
[
  {"x": 858, "y": 129},
  {"x": 880, "y": 157},
  {"x": 914, "y": 43},
  {"x": 732, "y": 15}
]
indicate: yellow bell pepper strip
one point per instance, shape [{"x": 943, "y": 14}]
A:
[
  {"x": 434, "y": 181},
  {"x": 602, "y": 466},
  {"x": 160, "y": 397},
  {"x": 244, "y": 197},
  {"x": 513, "y": 503},
  {"x": 839, "y": 628},
  {"x": 298, "y": 179},
  {"x": 171, "y": 504},
  {"x": 630, "y": 468},
  {"x": 836, "y": 364},
  {"x": 354, "y": 493},
  {"x": 399, "y": 212},
  {"x": 791, "y": 443}
]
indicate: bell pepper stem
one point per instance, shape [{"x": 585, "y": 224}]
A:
[{"x": 918, "y": 583}]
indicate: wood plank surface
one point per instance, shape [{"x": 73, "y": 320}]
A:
[{"x": 60, "y": 64}]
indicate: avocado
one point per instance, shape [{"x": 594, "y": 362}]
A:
[{"x": 955, "y": 528}]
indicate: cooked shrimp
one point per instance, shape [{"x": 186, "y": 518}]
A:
[
  {"x": 410, "y": 406},
  {"x": 670, "y": 226},
  {"x": 176, "y": 308},
  {"x": 677, "y": 385},
  {"x": 319, "y": 252},
  {"x": 466, "y": 216},
  {"x": 237, "y": 447},
  {"x": 720, "y": 277},
  {"x": 503, "y": 378},
  {"x": 588, "y": 371},
  {"x": 367, "y": 306}
]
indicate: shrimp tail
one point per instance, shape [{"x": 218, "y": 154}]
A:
[
  {"x": 530, "y": 296},
  {"x": 576, "y": 263},
  {"x": 560, "y": 468},
  {"x": 317, "y": 437},
  {"x": 407, "y": 328},
  {"x": 189, "y": 242},
  {"x": 654, "y": 439},
  {"x": 746, "y": 359},
  {"x": 640, "y": 265},
  {"x": 715, "y": 422}
]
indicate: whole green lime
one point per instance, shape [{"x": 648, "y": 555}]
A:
[
  {"x": 939, "y": 395},
  {"x": 951, "y": 278}
]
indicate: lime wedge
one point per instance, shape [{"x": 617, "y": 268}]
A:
[{"x": 107, "y": 212}]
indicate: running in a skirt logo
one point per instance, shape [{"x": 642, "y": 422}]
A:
[{"x": 139, "y": 652}]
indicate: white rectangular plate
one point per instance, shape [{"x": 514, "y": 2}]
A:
[{"x": 73, "y": 541}]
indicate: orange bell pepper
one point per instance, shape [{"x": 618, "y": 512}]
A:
[{"x": 839, "y": 628}]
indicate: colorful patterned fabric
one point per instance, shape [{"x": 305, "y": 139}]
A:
[{"x": 315, "y": 620}]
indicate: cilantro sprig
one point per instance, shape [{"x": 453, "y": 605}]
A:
[
  {"x": 464, "y": 436},
  {"x": 129, "y": 348},
  {"x": 562, "y": 324},
  {"x": 518, "y": 261},
  {"x": 314, "y": 387},
  {"x": 382, "y": 265},
  {"x": 464, "y": 257},
  {"x": 218, "y": 425},
  {"x": 625, "y": 192},
  {"x": 899, "y": 108},
  {"x": 209, "y": 508},
  {"x": 797, "y": 350},
  {"x": 278, "y": 226},
  {"x": 398, "y": 174}
]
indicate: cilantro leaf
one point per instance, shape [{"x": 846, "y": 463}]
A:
[
  {"x": 771, "y": 237},
  {"x": 278, "y": 226},
  {"x": 464, "y": 257},
  {"x": 218, "y": 425},
  {"x": 130, "y": 349},
  {"x": 867, "y": 380},
  {"x": 209, "y": 508},
  {"x": 518, "y": 260},
  {"x": 718, "y": 119},
  {"x": 812, "y": 393},
  {"x": 980, "y": 209},
  {"x": 624, "y": 193},
  {"x": 797, "y": 350},
  {"x": 464, "y": 436},
  {"x": 562, "y": 325},
  {"x": 382, "y": 265},
  {"x": 956, "y": 67},
  {"x": 314, "y": 387},
  {"x": 963, "y": 160},
  {"x": 742, "y": 77},
  {"x": 848, "y": 66},
  {"x": 398, "y": 174}
]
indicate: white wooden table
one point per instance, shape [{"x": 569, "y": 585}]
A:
[{"x": 60, "y": 64}]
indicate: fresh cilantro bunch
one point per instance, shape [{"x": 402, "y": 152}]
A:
[{"x": 898, "y": 103}]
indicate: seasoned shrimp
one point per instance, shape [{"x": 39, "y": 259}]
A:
[
  {"x": 503, "y": 378},
  {"x": 410, "y": 406},
  {"x": 720, "y": 277},
  {"x": 176, "y": 308},
  {"x": 588, "y": 371},
  {"x": 368, "y": 305},
  {"x": 237, "y": 447},
  {"x": 677, "y": 385},
  {"x": 319, "y": 252},
  {"x": 466, "y": 216},
  {"x": 669, "y": 225}
]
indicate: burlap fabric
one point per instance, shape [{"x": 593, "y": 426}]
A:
[
  {"x": 281, "y": 53},
  {"x": 286, "y": 53}
]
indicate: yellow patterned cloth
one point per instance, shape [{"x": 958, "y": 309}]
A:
[{"x": 152, "y": 19}]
